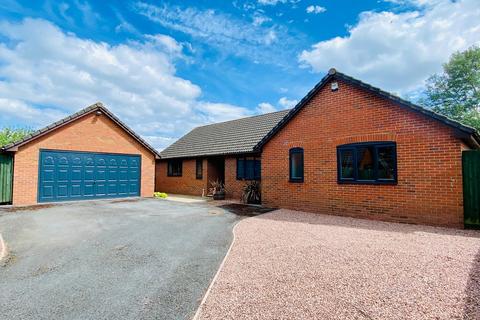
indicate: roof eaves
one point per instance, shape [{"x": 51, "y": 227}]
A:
[{"x": 184, "y": 156}]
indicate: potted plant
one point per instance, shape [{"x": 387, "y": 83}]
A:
[
  {"x": 218, "y": 190},
  {"x": 251, "y": 193}
]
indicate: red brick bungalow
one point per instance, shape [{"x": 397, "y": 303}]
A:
[{"x": 347, "y": 148}]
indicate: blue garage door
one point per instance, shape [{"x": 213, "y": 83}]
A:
[{"x": 68, "y": 176}]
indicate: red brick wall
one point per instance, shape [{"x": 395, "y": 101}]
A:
[
  {"x": 186, "y": 184},
  {"x": 90, "y": 133},
  {"x": 429, "y": 189},
  {"x": 234, "y": 187}
]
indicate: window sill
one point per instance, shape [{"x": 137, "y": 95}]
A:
[
  {"x": 376, "y": 182},
  {"x": 174, "y": 176},
  {"x": 296, "y": 180}
]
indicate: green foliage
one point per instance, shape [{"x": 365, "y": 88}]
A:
[
  {"x": 217, "y": 186},
  {"x": 455, "y": 92},
  {"x": 162, "y": 195},
  {"x": 251, "y": 192},
  {"x": 9, "y": 135}
]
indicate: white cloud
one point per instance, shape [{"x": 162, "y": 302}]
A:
[
  {"x": 398, "y": 51},
  {"x": 46, "y": 74},
  {"x": 275, "y": 2},
  {"x": 259, "y": 18},
  {"x": 215, "y": 112},
  {"x": 283, "y": 103},
  {"x": 165, "y": 42},
  {"x": 11, "y": 108},
  {"x": 265, "y": 107},
  {"x": 315, "y": 9},
  {"x": 224, "y": 32},
  {"x": 286, "y": 103}
]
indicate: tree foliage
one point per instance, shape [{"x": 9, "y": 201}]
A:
[
  {"x": 9, "y": 135},
  {"x": 455, "y": 92}
]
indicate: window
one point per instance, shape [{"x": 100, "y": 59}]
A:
[
  {"x": 248, "y": 168},
  {"x": 174, "y": 168},
  {"x": 370, "y": 162},
  {"x": 199, "y": 169},
  {"x": 296, "y": 165}
]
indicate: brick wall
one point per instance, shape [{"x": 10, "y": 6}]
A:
[
  {"x": 429, "y": 189},
  {"x": 189, "y": 185},
  {"x": 91, "y": 133}
]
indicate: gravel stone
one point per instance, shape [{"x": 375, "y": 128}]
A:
[{"x": 295, "y": 265}]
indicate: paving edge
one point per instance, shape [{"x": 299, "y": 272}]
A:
[
  {"x": 3, "y": 248},
  {"x": 207, "y": 293}
]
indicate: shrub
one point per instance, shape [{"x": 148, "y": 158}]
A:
[
  {"x": 251, "y": 192},
  {"x": 162, "y": 195},
  {"x": 9, "y": 135}
]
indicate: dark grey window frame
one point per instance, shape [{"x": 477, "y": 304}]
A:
[
  {"x": 170, "y": 167},
  {"x": 199, "y": 173},
  {"x": 355, "y": 147},
  {"x": 296, "y": 150},
  {"x": 244, "y": 174}
]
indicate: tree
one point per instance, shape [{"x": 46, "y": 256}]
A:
[
  {"x": 455, "y": 92},
  {"x": 9, "y": 135}
]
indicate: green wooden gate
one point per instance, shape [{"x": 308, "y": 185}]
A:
[
  {"x": 471, "y": 188},
  {"x": 6, "y": 178}
]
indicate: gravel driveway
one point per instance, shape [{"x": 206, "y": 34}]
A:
[
  {"x": 295, "y": 265},
  {"x": 144, "y": 259}
]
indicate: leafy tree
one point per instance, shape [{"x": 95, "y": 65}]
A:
[
  {"x": 9, "y": 135},
  {"x": 455, "y": 92}
]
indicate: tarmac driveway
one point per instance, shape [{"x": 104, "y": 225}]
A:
[{"x": 143, "y": 259}]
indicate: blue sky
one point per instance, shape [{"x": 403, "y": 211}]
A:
[{"x": 165, "y": 67}]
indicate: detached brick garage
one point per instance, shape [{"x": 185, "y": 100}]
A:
[{"x": 88, "y": 155}]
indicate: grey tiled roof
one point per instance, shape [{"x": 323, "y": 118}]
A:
[{"x": 231, "y": 137}]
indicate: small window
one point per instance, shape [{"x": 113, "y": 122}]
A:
[
  {"x": 248, "y": 168},
  {"x": 174, "y": 168},
  {"x": 199, "y": 169},
  {"x": 296, "y": 165},
  {"x": 370, "y": 162}
]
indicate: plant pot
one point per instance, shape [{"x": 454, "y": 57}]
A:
[
  {"x": 251, "y": 201},
  {"x": 219, "y": 195}
]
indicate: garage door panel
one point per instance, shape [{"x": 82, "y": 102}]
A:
[
  {"x": 76, "y": 190},
  {"x": 47, "y": 191},
  {"x": 89, "y": 174},
  {"x": 89, "y": 190},
  {"x": 62, "y": 190},
  {"x": 49, "y": 175},
  {"x": 62, "y": 174},
  {"x": 76, "y": 174},
  {"x": 80, "y": 175}
]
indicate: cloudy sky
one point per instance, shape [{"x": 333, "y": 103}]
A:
[{"x": 165, "y": 67}]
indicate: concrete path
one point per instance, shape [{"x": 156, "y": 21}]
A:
[
  {"x": 294, "y": 265},
  {"x": 144, "y": 259}
]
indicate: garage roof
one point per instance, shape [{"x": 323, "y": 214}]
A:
[{"x": 88, "y": 110}]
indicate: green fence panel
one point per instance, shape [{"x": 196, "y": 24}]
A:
[
  {"x": 471, "y": 187},
  {"x": 6, "y": 178}
]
